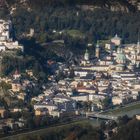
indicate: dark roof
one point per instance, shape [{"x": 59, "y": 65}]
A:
[
  {"x": 16, "y": 81},
  {"x": 80, "y": 94}
]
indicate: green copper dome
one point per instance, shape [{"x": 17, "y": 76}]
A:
[
  {"x": 121, "y": 56},
  {"x": 120, "y": 65}
]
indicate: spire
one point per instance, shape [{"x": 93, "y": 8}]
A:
[
  {"x": 97, "y": 54},
  {"x": 16, "y": 72},
  {"x": 138, "y": 44},
  {"x": 97, "y": 45},
  {"x": 117, "y": 37},
  {"x": 86, "y": 56}
]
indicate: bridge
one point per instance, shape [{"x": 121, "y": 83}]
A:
[{"x": 101, "y": 116}]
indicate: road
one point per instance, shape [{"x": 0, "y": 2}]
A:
[{"x": 101, "y": 116}]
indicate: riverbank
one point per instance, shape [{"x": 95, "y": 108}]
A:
[
  {"x": 61, "y": 131},
  {"x": 129, "y": 110}
]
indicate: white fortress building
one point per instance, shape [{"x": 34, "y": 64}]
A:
[{"x": 6, "y": 42}]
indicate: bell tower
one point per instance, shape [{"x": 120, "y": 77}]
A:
[{"x": 97, "y": 51}]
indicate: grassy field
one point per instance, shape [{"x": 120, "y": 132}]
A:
[
  {"x": 123, "y": 110},
  {"x": 75, "y": 33}
]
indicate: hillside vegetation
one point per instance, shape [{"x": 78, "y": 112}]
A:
[
  {"x": 47, "y": 15},
  {"x": 124, "y": 5},
  {"x": 97, "y": 25},
  {"x": 75, "y": 131},
  {"x": 75, "y": 26},
  {"x": 129, "y": 131}
]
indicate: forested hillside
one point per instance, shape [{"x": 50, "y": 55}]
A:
[
  {"x": 128, "y": 4},
  {"x": 47, "y": 15},
  {"x": 129, "y": 131},
  {"x": 100, "y": 24},
  {"x": 81, "y": 131},
  {"x": 74, "y": 25}
]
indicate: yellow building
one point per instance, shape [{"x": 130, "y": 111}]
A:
[
  {"x": 41, "y": 112},
  {"x": 16, "y": 86},
  {"x": 117, "y": 100}
]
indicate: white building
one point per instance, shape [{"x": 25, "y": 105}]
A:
[
  {"x": 2, "y": 48},
  {"x": 81, "y": 97},
  {"x": 6, "y": 41},
  {"x": 50, "y": 106},
  {"x": 117, "y": 100}
]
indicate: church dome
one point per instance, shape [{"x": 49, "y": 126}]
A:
[
  {"x": 121, "y": 56},
  {"x": 116, "y": 37}
]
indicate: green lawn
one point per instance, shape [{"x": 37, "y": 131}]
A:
[
  {"x": 75, "y": 33},
  {"x": 121, "y": 110}
]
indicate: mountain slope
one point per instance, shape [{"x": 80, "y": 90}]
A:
[{"x": 113, "y": 5}]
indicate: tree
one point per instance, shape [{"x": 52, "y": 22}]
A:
[
  {"x": 37, "y": 121},
  {"x": 128, "y": 131},
  {"x": 123, "y": 120},
  {"x": 39, "y": 137},
  {"x": 5, "y": 85},
  {"x": 103, "y": 125},
  {"x": 30, "y": 123},
  {"x": 6, "y": 129},
  {"x": 15, "y": 115},
  {"x": 15, "y": 127},
  {"x": 71, "y": 75},
  {"x": 106, "y": 102}
]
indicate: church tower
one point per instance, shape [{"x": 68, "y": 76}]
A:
[
  {"x": 97, "y": 51},
  {"x": 86, "y": 60},
  {"x": 138, "y": 47},
  {"x": 138, "y": 54},
  {"x": 86, "y": 55},
  {"x": 133, "y": 56}
]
